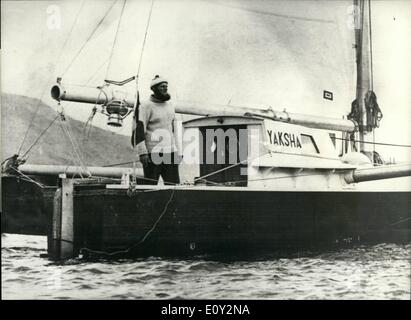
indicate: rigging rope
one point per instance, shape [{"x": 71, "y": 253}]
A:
[
  {"x": 87, "y": 126},
  {"x": 224, "y": 169},
  {"x": 115, "y": 39},
  {"x": 118, "y": 164},
  {"x": 139, "y": 67},
  {"x": 377, "y": 143},
  {"x": 275, "y": 178},
  {"x": 56, "y": 63},
  {"x": 77, "y": 149},
  {"x": 337, "y": 138},
  {"x": 141, "y": 53},
  {"x": 28, "y": 178},
  {"x": 96, "y": 72},
  {"x": 65, "y": 135},
  {"x": 302, "y": 175},
  {"x": 112, "y": 254},
  {"x": 145, "y": 37},
  {"x": 247, "y": 160},
  {"x": 66, "y": 127},
  {"x": 89, "y": 123},
  {"x": 89, "y": 37},
  {"x": 72, "y": 28},
  {"x": 39, "y": 137},
  {"x": 32, "y": 118}
]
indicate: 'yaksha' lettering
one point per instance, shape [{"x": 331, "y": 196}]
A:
[{"x": 284, "y": 139}]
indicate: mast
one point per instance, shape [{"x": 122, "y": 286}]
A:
[{"x": 368, "y": 113}]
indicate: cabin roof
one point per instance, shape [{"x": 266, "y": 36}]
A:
[
  {"x": 303, "y": 161},
  {"x": 224, "y": 120}
]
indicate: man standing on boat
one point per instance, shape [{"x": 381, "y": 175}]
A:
[{"x": 155, "y": 136}]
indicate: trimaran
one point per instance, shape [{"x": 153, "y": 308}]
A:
[{"x": 289, "y": 189}]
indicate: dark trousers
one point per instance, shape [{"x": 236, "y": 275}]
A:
[{"x": 168, "y": 171}]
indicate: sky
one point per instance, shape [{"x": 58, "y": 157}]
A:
[{"x": 279, "y": 54}]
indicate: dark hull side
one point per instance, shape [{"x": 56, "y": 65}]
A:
[
  {"x": 26, "y": 207},
  {"x": 195, "y": 222}
]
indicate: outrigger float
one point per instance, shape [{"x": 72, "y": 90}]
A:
[{"x": 288, "y": 188}]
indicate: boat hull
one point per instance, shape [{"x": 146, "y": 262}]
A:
[
  {"x": 190, "y": 221},
  {"x": 26, "y": 206}
]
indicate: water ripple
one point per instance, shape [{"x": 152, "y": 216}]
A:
[{"x": 373, "y": 272}]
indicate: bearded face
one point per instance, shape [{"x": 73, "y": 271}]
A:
[{"x": 161, "y": 91}]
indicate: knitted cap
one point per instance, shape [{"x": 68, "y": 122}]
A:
[{"x": 157, "y": 80}]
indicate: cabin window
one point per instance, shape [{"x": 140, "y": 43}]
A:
[
  {"x": 309, "y": 144},
  {"x": 333, "y": 139}
]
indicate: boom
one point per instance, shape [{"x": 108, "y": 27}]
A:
[{"x": 104, "y": 96}]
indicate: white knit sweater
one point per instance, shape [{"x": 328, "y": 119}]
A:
[{"x": 160, "y": 131}]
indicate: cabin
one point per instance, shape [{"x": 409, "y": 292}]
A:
[{"x": 254, "y": 152}]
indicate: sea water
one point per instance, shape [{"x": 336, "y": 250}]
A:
[{"x": 367, "y": 272}]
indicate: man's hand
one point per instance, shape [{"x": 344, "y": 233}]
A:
[
  {"x": 145, "y": 159},
  {"x": 178, "y": 158}
]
